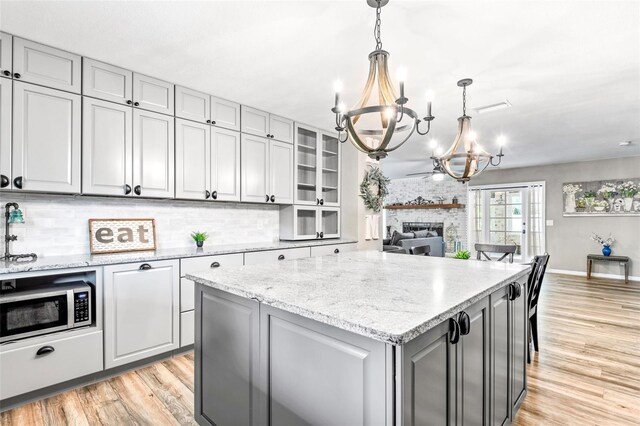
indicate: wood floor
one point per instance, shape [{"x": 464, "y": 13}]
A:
[{"x": 586, "y": 373}]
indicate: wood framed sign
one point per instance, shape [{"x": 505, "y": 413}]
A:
[{"x": 121, "y": 235}]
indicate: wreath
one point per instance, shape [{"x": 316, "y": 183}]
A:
[{"x": 374, "y": 178}]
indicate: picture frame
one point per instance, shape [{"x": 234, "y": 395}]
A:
[
  {"x": 608, "y": 197},
  {"x": 121, "y": 235}
]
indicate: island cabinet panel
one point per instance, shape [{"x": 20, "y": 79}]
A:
[
  {"x": 428, "y": 373},
  {"x": 519, "y": 342},
  {"x": 500, "y": 314},
  {"x": 317, "y": 374},
  {"x": 141, "y": 311},
  {"x": 227, "y": 359}
]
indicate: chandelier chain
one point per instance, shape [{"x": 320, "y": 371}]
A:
[
  {"x": 464, "y": 100},
  {"x": 376, "y": 29}
]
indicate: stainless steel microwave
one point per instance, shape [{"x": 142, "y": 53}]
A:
[{"x": 47, "y": 309}]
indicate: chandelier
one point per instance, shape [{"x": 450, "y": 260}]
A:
[
  {"x": 378, "y": 129},
  {"x": 465, "y": 158}
]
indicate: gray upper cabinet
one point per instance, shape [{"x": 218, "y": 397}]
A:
[
  {"x": 46, "y": 66},
  {"x": 153, "y": 154},
  {"x": 225, "y": 165},
  {"x": 46, "y": 139},
  {"x": 192, "y": 159},
  {"x": 141, "y": 311},
  {"x": 153, "y": 94},
  {"x": 225, "y": 114},
  {"x": 281, "y": 172},
  {"x": 107, "y": 141},
  {"x": 281, "y": 128},
  {"x": 255, "y": 169},
  {"x": 6, "y": 43},
  {"x": 104, "y": 81},
  {"x": 5, "y": 133},
  {"x": 192, "y": 105}
]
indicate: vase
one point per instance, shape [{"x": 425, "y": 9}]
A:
[
  {"x": 606, "y": 250},
  {"x": 628, "y": 203},
  {"x": 199, "y": 243},
  {"x": 569, "y": 202}
]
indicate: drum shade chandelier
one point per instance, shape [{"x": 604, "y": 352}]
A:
[{"x": 380, "y": 127}]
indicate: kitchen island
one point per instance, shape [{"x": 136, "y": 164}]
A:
[{"x": 361, "y": 338}]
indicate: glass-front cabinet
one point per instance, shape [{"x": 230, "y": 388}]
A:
[
  {"x": 317, "y": 172},
  {"x": 309, "y": 223}
]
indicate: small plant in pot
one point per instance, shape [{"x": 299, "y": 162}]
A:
[
  {"x": 199, "y": 237},
  {"x": 462, "y": 254}
]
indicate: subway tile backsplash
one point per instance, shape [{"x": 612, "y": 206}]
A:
[{"x": 59, "y": 224}]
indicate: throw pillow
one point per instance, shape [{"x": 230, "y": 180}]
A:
[{"x": 397, "y": 236}]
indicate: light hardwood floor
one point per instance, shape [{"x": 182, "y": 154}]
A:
[{"x": 586, "y": 373}]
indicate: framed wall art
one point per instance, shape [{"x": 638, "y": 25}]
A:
[
  {"x": 121, "y": 235},
  {"x": 613, "y": 197}
]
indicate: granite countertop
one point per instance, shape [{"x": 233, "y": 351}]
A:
[
  {"x": 44, "y": 263},
  {"x": 388, "y": 297}
]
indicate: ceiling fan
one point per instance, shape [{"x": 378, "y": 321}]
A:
[{"x": 437, "y": 173}]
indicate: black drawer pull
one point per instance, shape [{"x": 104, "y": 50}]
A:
[
  {"x": 16, "y": 75},
  {"x": 214, "y": 195},
  {"x": 454, "y": 331},
  {"x": 129, "y": 102},
  {"x": 465, "y": 323},
  {"x": 6, "y": 73},
  {"x": 215, "y": 265},
  {"x": 273, "y": 198},
  {"x": 4, "y": 181},
  {"x": 336, "y": 251},
  {"x": 514, "y": 291},
  {"x": 137, "y": 190},
  {"x": 127, "y": 189},
  {"x": 145, "y": 266},
  {"x": 17, "y": 182},
  {"x": 136, "y": 104},
  {"x": 45, "y": 350},
  {"x": 207, "y": 194},
  {"x": 281, "y": 257}
]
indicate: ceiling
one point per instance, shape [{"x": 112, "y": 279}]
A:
[{"x": 571, "y": 69}]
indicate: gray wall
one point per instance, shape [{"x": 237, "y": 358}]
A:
[{"x": 568, "y": 240}]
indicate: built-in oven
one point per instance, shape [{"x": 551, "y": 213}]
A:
[{"x": 45, "y": 309}]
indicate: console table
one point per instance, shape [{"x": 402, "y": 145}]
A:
[{"x": 598, "y": 257}]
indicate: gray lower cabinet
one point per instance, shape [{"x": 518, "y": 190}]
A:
[
  {"x": 519, "y": 333},
  {"x": 141, "y": 310}
]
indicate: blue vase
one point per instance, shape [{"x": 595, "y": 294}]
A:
[{"x": 606, "y": 250}]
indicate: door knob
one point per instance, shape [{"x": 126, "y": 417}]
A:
[
  {"x": 336, "y": 251},
  {"x": 4, "y": 181},
  {"x": 136, "y": 104},
  {"x": 454, "y": 331},
  {"x": 465, "y": 323},
  {"x": 17, "y": 182},
  {"x": 127, "y": 189},
  {"x": 322, "y": 201},
  {"x": 208, "y": 121},
  {"x": 321, "y": 234},
  {"x": 137, "y": 190},
  {"x": 129, "y": 102},
  {"x": 213, "y": 122}
]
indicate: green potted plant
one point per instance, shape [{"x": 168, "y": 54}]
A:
[
  {"x": 462, "y": 254},
  {"x": 199, "y": 237},
  {"x": 581, "y": 204}
]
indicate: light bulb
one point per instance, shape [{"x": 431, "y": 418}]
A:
[
  {"x": 389, "y": 113},
  {"x": 342, "y": 107},
  {"x": 401, "y": 74},
  {"x": 337, "y": 86},
  {"x": 502, "y": 140},
  {"x": 433, "y": 144},
  {"x": 472, "y": 135},
  {"x": 429, "y": 95},
  {"x": 438, "y": 150}
]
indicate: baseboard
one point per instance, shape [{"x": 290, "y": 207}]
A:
[{"x": 593, "y": 274}]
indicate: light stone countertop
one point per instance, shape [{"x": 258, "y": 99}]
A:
[
  {"x": 388, "y": 297},
  {"x": 44, "y": 263}
]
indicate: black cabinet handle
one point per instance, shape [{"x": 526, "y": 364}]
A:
[
  {"x": 322, "y": 201},
  {"x": 214, "y": 195},
  {"x": 215, "y": 265},
  {"x": 136, "y": 104},
  {"x": 208, "y": 121},
  {"x": 514, "y": 291},
  {"x": 4, "y": 181},
  {"x": 273, "y": 198},
  {"x": 317, "y": 201},
  {"x": 45, "y": 350},
  {"x": 336, "y": 251},
  {"x": 317, "y": 235},
  {"x": 127, "y": 189},
  {"x": 465, "y": 323},
  {"x": 137, "y": 190},
  {"x": 145, "y": 266},
  {"x": 281, "y": 257},
  {"x": 213, "y": 121},
  {"x": 16, "y": 75},
  {"x": 129, "y": 102},
  {"x": 321, "y": 234},
  {"x": 17, "y": 182},
  {"x": 6, "y": 72},
  {"x": 267, "y": 199},
  {"x": 454, "y": 331},
  {"x": 207, "y": 194}
]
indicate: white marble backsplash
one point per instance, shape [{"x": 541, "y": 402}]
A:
[{"x": 59, "y": 224}]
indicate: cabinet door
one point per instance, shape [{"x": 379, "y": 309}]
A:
[
  {"x": 46, "y": 139},
  {"x": 107, "y": 148},
  {"x": 473, "y": 368},
  {"x": 254, "y": 121},
  {"x": 225, "y": 114},
  {"x": 104, "y": 81},
  {"x": 152, "y": 94},
  {"x": 519, "y": 342},
  {"x": 329, "y": 170},
  {"x": 307, "y": 152},
  {"x": 500, "y": 401},
  {"x": 46, "y": 66},
  {"x": 6, "y": 42},
  {"x": 281, "y": 128},
  {"x": 5, "y": 133},
  {"x": 281, "y": 172},
  {"x": 153, "y": 154},
  {"x": 305, "y": 225},
  {"x": 141, "y": 311},
  {"x": 329, "y": 225},
  {"x": 254, "y": 168},
  {"x": 192, "y": 105},
  {"x": 192, "y": 159},
  {"x": 428, "y": 379},
  {"x": 225, "y": 165}
]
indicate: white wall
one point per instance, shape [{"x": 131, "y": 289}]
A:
[{"x": 58, "y": 224}]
